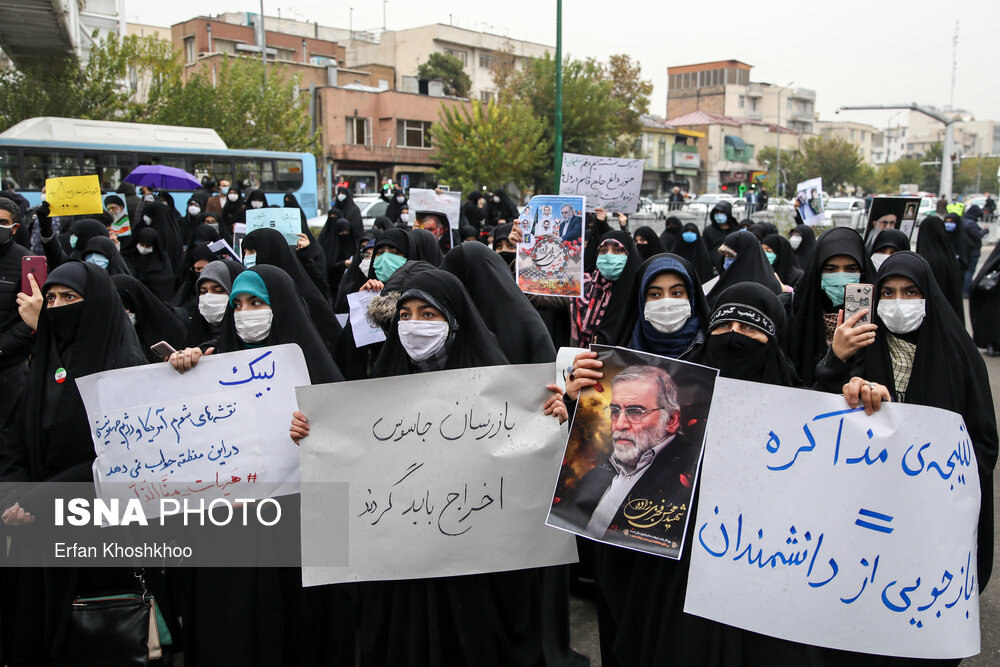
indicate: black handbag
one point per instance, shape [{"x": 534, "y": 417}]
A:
[
  {"x": 989, "y": 282},
  {"x": 119, "y": 630}
]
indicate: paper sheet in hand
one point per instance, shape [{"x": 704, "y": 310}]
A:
[
  {"x": 288, "y": 221},
  {"x": 214, "y": 431},
  {"x": 74, "y": 195},
  {"x": 610, "y": 182},
  {"x": 365, "y": 331},
  {"x": 449, "y": 473},
  {"x": 809, "y": 194},
  {"x": 819, "y": 524}
]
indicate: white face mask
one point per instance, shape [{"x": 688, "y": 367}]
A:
[
  {"x": 194, "y": 210},
  {"x": 341, "y": 197},
  {"x": 404, "y": 217},
  {"x": 365, "y": 265},
  {"x": 148, "y": 220},
  {"x": 878, "y": 258},
  {"x": 667, "y": 315},
  {"x": 400, "y": 199},
  {"x": 131, "y": 318},
  {"x": 252, "y": 326},
  {"x": 256, "y": 204},
  {"x": 901, "y": 316},
  {"x": 143, "y": 249},
  {"x": 213, "y": 306},
  {"x": 795, "y": 242},
  {"x": 422, "y": 340},
  {"x": 496, "y": 200},
  {"x": 148, "y": 198},
  {"x": 232, "y": 196}
]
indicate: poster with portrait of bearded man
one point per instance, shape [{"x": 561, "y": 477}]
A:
[{"x": 631, "y": 463}]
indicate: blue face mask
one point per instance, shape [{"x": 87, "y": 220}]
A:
[
  {"x": 689, "y": 237},
  {"x": 950, "y": 226},
  {"x": 99, "y": 260},
  {"x": 721, "y": 218},
  {"x": 727, "y": 262},
  {"x": 833, "y": 285},
  {"x": 387, "y": 264},
  {"x": 250, "y": 260},
  {"x": 611, "y": 266},
  {"x": 73, "y": 238},
  {"x": 224, "y": 190},
  {"x": 770, "y": 257}
]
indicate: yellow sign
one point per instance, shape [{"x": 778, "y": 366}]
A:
[{"x": 74, "y": 195}]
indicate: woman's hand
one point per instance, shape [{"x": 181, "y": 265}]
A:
[
  {"x": 554, "y": 405},
  {"x": 373, "y": 284},
  {"x": 870, "y": 394},
  {"x": 29, "y": 307},
  {"x": 186, "y": 359},
  {"x": 585, "y": 373},
  {"x": 848, "y": 338},
  {"x": 300, "y": 427},
  {"x": 16, "y": 516},
  {"x": 515, "y": 235},
  {"x": 303, "y": 241}
]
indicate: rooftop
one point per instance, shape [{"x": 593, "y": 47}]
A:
[{"x": 708, "y": 118}]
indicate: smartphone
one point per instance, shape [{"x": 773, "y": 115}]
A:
[
  {"x": 858, "y": 296},
  {"x": 33, "y": 264},
  {"x": 162, "y": 349}
]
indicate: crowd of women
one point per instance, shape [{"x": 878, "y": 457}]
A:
[{"x": 109, "y": 298}]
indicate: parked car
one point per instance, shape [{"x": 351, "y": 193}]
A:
[
  {"x": 846, "y": 212},
  {"x": 705, "y": 203},
  {"x": 928, "y": 206}
]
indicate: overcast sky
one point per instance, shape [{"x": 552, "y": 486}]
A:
[{"x": 852, "y": 52}]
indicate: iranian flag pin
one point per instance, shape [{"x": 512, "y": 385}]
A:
[{"x": 60, "y": 375}]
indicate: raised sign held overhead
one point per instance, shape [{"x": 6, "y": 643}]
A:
[{"x": 608, "y": 182}]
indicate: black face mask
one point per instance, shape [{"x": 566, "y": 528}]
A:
[
  {"x": 737, "y": 357},
  {"x": 6, "y": 235},
  {"x": 508, "y": 256},
  {"x": 65, "y": 322}
]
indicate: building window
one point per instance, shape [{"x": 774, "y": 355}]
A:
[
  {"x": 788, "y": 104},
  {"x": 359, "y": 131},
  {"x": 461, "y": 55},
  {"x": 753, "y": 104},
  {"x": 486, "y": 60},
  {"x": 413, "y": 133},
  {"x": 486, "y": 96},
  {"x": 189, "y": 53},
  {"x": 740, "y": 101}
]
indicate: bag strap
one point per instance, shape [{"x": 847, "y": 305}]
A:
[{"x": 140, "y": 574}]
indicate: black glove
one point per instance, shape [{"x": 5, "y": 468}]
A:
[{"x": 44, "y": 221}]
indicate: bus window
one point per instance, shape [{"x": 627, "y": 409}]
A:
[
  {"x": 217, "y": 168},
  {"x": 112, "y": 168},
  {"x": 9, "y": 168},
  {"x": 255, "y": 174},
  {"x": 167, "y": 160},
  {"x": 289, "y": 174},
  {"x": 42, "y": 164}
]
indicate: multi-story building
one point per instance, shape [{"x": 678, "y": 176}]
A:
[
  {"x": 671, "y": 154},
  {"x": 868, "y": 139},
  {"x": 724, "y": 87},
  {"x": 972, "y": 137}
]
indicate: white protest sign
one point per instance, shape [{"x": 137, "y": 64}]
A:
[
  {"x": 448, "y": 203},
  {"x": 218, "y": 430},
  {"x": 449, "y": 473},
  {"x": 821, "y": 525},
  {"x": 288, "y": 221},
  {"x": 610, "y": 182},
  {"x": 365, "y": 331}
]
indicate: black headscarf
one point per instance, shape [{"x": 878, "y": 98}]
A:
[
  {"x": 350, "y": 210},
  {"x": 714, "y": 235},
  {"x": 201, "y": 236},
  {"x": 395, "y": 207},
  {"x": 804, "y": 252},
  {"x": 291, "y": 323},
  {"x": 652, "y": 245},
  {"x": 424, "y": 246},
  {"x": 470, "y": 345},
  {"x": 271, "y": 248},
  {"x": 891, "y": 238},
  {"x": 786, "y": 266},
  {"x": 188, "y": 222},
  {"x": 809, "y": 303},
  {"x": 186, "y": 296},
  {"x": 740, "y": 357},
  {"x": 750, "y": 266},
  {"x": 934, "y": 245},
  {"x": 153, "y": 269},
  {"x": 290, "y": 201},
  {"x": 504, "y": 308},
  {"x": 233, "y": 211},
  {"x": 761, "y": 229},
  {"x": 397, "y": 239},
  {"x": 167, "y": 230},
  {"x": 84, "y": 230},
  {"x": 948, "y": 373},
  {"x": 471, "y": 212},
  {"x": 382, "y": 224},
  {"x": 502, "y": 210},
  {"x": 103, "y": 245},
  {"x": 339, "y": 244},
  {"x": 607, "y": 311},
  {"x": 353, "y": 278},
  {"x": 671, "y": 236},
  {"x": 696, "y": 252},
  {"x": 200, "y": 332},
  {"x": 645, "y": 336},
  {"x": 984, "y": 306},
  {"x": 256, "y": 195},
  {"x": 154, "y": 321},
  {"x": 959, "y": 239}
]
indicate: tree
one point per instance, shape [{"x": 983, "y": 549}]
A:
[
  {"x": 449, "y": 70},
  {"x": 835, "y": 159},
  {"x": 793, "y": 170},
  {"x": 492, "y": 143},
  {"x": 247, "y": 112}
]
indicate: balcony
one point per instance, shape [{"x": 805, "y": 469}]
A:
[
  {"x": 733, "y": 154},
  {"x": 802, "y": 94},
  {"x": 755, "y": 90}
]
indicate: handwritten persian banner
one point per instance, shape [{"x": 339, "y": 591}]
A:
[
  {"x": 610, "y": 182},
  {"x": 550, "y": 255},
  {"x": 288, "y": 221},
  {"x": 819, "y": 524},
  {"x": 449, "y": 474},
  {"x": 216, "y": 431},
  {"x": 74, "y": 195}
]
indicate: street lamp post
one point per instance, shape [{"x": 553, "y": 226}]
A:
[
  {"x": 558, "y": 120},
  {"x": 777, "y": 167}
]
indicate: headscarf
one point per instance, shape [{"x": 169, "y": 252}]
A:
[
  {"x": 645, "y": 336},
  {"x": 750, "y": 266},
  {"x": 271, "y": 248},
  {"x": 188, "y": 222},
  {"x": 762, "y": 229},
  {"x": 394, "y": 208},
  {"x": 696, "y": 252},
  {"x": 397, "y": 239},
  {"x": 350, "y": 210},
  {"x": 154, "y": 321},
  {"x": 984, "y": 306},
  {"x": 103, "y": 245},
  {"x": 154, "y": 269},
  {"x": 959, "y": 239},
  {"x": 934, "y": 245},
  {"x": 738, "y": 356},
  {"x": 167, "y": 230},
  {"x": 805, "y": 250},
  {"x": 470, "y": 210},
  {"x": 890, "y": 238},
  {"x": 606, "y": 312},
  {"x": 233, "y": 211},
  {"x": 256, "y": 195},
  {"x": 652, "y": 245},
  {"x": 671, "y": 236},
  {"x": 382, "y": 224},
  {"x": 715, "y": 235},
  {"x": 200, "y": 332},
  {"x": 84, "y": 230},
  {"x": 353, "y": 278},
  {"x": 504, "y": 308},
  {"x": 337, "y": 248},
  {"x": 186, "y": 296},
  {"x": 810, "y": 303},
  {"x": 470, "y": 344},
  {"x": 504, "y": 210},
  {"x": 424, "y": 246},
  {"x": 291, "y": 323},
  {"x": 949, "y": 373},
  {"x": 786, "y": 266}
]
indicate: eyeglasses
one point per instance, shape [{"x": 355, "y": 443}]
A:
[{"x": 634, "y": 414}]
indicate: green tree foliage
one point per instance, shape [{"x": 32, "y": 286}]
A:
[
  {"x": 449, "y": 70},
  {"x": 793, "y": 169},
  {"x": 246, "y": 111},
  {"x": 835, "y": 159},
  {"x": 490, "y": 144}
]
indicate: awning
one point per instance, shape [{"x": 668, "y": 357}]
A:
[
  {"x": 690, "y": 133},
  {"x": 735, "y": 142}
]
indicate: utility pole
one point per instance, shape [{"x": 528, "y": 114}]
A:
[
  {"x": 557, "y": 161},
  {"x": 263, "y": 43},
  {"x": 954, "y": 67}
]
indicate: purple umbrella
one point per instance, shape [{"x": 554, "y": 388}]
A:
[{"x": 162, "y": 177}]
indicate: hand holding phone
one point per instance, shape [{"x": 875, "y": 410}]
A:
[
  {"x": 37, "y": 266},
  {"x": 163, "y": 349},
  {"x": 858, "y": 297}
]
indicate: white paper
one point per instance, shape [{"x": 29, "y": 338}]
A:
[
  {"x": 365, "y": 331},
  {"x": 216, "y": 246},
  {"x": 810, "y": 197},
  {"x": 843, "y": 530},
  {"x": 448, "y": 203},
  {"x": 217, "y": 430},
  {"x": 449, "y": 474},
  {"x": 610, "y": 182},
  {"x": 288, "y": 221}
]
